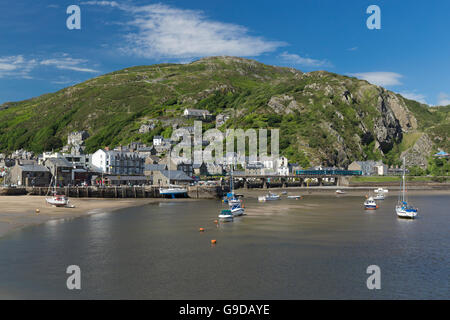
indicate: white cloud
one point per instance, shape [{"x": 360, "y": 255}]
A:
[
  {"x": 16, "y": 66},
  {"x": 380, "y": 78},
  {"x": 68, "y": 63},
  {"x": 302, "y": 61},
  {"x": 414, "y": 96},
  {"x": 162, "y": 31},
  {"x": 443, "y": 99},
  {"x": 102, "y": 3},
  {"x": 20, "y": 66}
]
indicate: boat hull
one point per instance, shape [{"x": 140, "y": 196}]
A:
[{"x": 405, "y": 214}]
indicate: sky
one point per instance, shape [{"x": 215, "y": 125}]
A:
[{"x": 408, "y": 54}]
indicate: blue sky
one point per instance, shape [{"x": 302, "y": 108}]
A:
[{"x": 409, "y": 54}]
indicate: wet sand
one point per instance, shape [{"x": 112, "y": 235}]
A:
[{"x": 20, "y": 211}]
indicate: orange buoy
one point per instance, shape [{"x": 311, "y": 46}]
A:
[
  {"x": 216, "y": 222},
  {"x": 37, "y": 210},
  {"x": 213, "y": 241},
  {"x": 201, "y": 229}
]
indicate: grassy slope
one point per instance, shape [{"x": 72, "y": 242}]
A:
[{"x": 112, "y": 107}]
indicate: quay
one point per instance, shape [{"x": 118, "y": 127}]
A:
[{"x": 194, "y": 192}]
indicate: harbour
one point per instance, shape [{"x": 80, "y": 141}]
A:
[{"x": 315, "y": 247}]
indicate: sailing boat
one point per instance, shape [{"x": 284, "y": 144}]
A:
[
  {"x": 172, "y": 190},
  {"x": 234, "y": 203},
  {"x": 56, "y": 200},
  {"x": 403, "y": 209}
]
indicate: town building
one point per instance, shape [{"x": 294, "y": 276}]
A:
[
  {"x": 369, "y": 167},
  {"x": 150, "y": 169},
  {"x": 196, "y": 113},
  {"x": 61, "y": 170},
  {"x": 177, "y": 177},
  {"x": 29, "y": 175},
  {"x": 117, "y": 162}
]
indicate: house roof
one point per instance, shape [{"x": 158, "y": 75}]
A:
[
  {"x": 59, "y": 162},
  {"x": 154, "y": 167},
  {"x": 33, "y": 168},
  {"x": 176, "y": 175}
]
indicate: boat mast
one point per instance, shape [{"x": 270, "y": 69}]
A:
[{"x": 403, "y": 180}]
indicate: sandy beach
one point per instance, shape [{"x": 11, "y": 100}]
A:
[{"x": 20, "y": 211}]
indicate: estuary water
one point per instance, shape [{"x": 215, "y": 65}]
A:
[{"x": 318, "y": 247}]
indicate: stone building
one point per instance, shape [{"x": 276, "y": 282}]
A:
[{"x": 29, "y": 175}]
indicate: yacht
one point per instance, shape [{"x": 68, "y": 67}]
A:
[
  {"x": 56, "y": 200},
  {"x": 403, "y": 209}
]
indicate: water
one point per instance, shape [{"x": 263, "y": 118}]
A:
[{"x": 318, "y": 247}]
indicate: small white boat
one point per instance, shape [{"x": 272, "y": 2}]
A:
[
  {"x": 370, "y": 204},
  {"x": 381, "y": 190},
  {"x": 379, "y": 196},
  {"x": 340, "y": 192},
  {"x": 262, "y": 198},
  {"x": 58, "y": 200},
  {"x": 294, "y": 197},
  {"x": 236, "y": 210},
  {"x": 283, "y": 192},
  {"x": 226, "y": 215},
  {"x": 272, "y": 196}
]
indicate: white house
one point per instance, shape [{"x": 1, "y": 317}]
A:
[
  {"x": 158, "y": 140},
  {"x": 117, "y": 162},
  {"x": 283, "y": 171}
]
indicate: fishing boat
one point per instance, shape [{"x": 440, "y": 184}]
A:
[
  {"x": 370, "y": 204},
  {"x": 226, "y": 215},
  {"x": 56, "y": 200},
  {"x": 340, "y": 192},
  {"x": 294, "y": 197},
  {"x": 172, "y": 190},
  {"x": 403, "y": 209}
]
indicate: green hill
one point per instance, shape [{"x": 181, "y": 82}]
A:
[{"x": 323, "y": 117}]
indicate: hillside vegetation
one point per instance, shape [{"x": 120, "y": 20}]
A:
[{"x": 323, "y": 117}]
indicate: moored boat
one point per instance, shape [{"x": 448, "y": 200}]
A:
[
  {"x": 236, "y": 210},
  {"x": 403, "y": 209},
  {"x": 370, "y": 204},
  {"x": 379, "y": 196},
  {"x": 272, "y": 196},
  {"x": 58, "y": 200},
  {"x": 226, "y": 215},
  {"x": 294, "y": 197}
]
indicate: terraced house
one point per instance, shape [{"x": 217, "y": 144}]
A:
[{"x": 117, "y": 162}]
